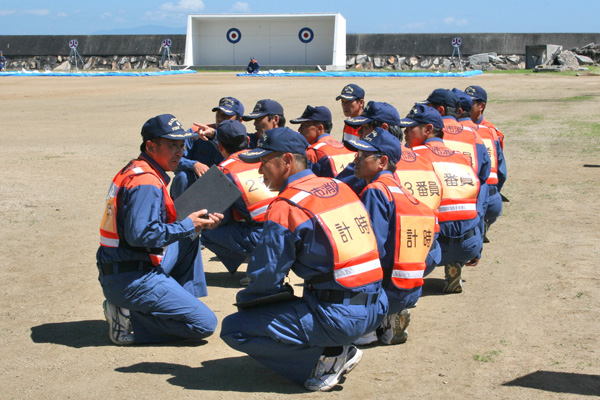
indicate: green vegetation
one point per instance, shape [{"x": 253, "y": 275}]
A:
[{"x": 488, "y": 356}]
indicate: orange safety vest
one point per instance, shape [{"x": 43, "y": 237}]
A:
[
  {"x": 137, "y": 172},
  {"x": 489, "y": 138},
  {"x": 418, "y": 177},
  {"x": 500, "y": 135},
  {"x": 339, "y": 157},
  {"x": 462, "y": 139},
  {"x": 459, "y": 180},
  {"x": 351, "y": 132},
  {"x": 414, "y": 235},
  {"x": 254, "y": 192},
  {"x": 346, "y": 223}
]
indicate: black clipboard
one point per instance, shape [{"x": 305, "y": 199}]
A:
[{"x": 212, "y": 191}]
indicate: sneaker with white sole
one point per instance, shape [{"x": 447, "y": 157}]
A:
[
  {"x": 119, "y": 325},
  {"x": 367, "y": 339},
  {"x": 394, "y": 328},
  {"x": 329, "y": 370},
  {"x": 245, "y": 281}
]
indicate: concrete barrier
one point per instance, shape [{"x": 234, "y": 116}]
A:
[
  {"x": 472, "y": 43},
  {"x": 91, "y": 45}
]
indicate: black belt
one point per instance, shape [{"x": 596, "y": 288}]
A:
[
  {"x": 353, "y": 298},
  {"x": 125, "y": 266},
  {"x": 466, "y": 236},
  {"x": 492, "y": 190}
]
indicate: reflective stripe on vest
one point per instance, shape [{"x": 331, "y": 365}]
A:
[
  {"x": 109, "y": 236},
  {"x": 414, "y": 234},
  {"x": 351, "y": 132},
  {"x": 255, "y": 194},
  {"x": 347, "y": 225}
]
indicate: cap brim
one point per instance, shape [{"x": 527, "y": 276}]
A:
[
  {"x": 225, "y": 110},
  {"x": 251, "y": 116},
  {"x": 347, "y": 97},
  {"x": 406, "y": 122},
  {"x": 301, "y": 120},
  {"x": 254, "y": 155},
  {"x": 357, "y": 121},
  {"x": 181, "y": 135},
  {"x": 356, "y": 145}
]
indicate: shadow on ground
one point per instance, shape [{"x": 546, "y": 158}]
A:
[
  {"x": 92, "y": 333},
  {"x": 233, "y": 374},
  {"x": 559, "y": 382}
]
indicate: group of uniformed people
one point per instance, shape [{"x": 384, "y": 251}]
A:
[{"x": 362, "y": 222}]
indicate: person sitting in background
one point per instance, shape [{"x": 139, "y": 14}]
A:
[{"x": 253, "y": 66}]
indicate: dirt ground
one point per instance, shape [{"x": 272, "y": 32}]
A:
[{"x": 526, "y": 327}]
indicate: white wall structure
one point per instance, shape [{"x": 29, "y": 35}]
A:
[{"x": 276, "y": 39}]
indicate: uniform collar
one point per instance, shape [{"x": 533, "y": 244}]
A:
[
  {"x": 146, "y": 157},
  {"x": 297, "y": 176}
]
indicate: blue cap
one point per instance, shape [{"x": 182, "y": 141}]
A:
[
  {"x": 465, "y": 100},
  {"x": 165, "y": 126},
  {"x": 231, "y": 132},
  {"x": 319, "y": 114},
  {"x": 230, "y": 106},
  {"x": 376, "y": 111},
  {"x": 422, "y": 114},
  {"x": 351, "y": 92},
  {"x": 379, "y": 140},
  {"x": 444, "y": 97},
  {"x": 283, "y": 139},
  {"x": 476, "y": 93},
  {"x": 264, "y": 107}
]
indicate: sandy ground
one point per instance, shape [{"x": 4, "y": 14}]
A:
[{"x": 526, "y": 326}]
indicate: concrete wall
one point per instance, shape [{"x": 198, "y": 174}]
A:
[
  {"x": 472, "y": 43},
  {"x": 371, "y": 44},
  {"x": 92, "y": 45}
]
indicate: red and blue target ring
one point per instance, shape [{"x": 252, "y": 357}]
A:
[
  {"x": 234, "y": 35},
  {"x": 306, "y": 35}
]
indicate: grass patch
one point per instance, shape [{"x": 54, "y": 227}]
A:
[
  {"x": 488, "y": 356},
  {"x": 592, "y": 71}
]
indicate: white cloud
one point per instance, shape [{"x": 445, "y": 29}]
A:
[
  {"x": 37, "y": 13},
  {"x": 183, "y": 6},
  {"x": 454, "y": 21},
  {"x": 6, "y": 12},
  {"x": 106, "y": 15},
  {"x": 240, "y": 7},
  {"x": 155, "y": 16},
  {"x": 62, "y": 14}
]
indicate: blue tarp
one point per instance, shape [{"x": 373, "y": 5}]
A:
[
  {"x": 354, "y": 74},
  {"x": 148, "y": 73}
]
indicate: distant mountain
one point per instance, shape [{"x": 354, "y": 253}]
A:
[{"x": 144, "y": 30}]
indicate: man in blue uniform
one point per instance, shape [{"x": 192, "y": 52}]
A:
[
  {"x": 267, "y": 114},
  {"x": 202, "y": 151},
  {"x": 253, "y": 66},
  {"x": 327, "y": 155},
  {"x": 150, "y": 266},
  {"x": 375, "y": 115},
  {"x": 459, "y": 213},
  {"x": 318, "y": 228},
  {"x": 353, "y": 103},
  {"x": 404, "y": 228}
]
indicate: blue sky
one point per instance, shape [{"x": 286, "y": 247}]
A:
[{"x": 86, "y": 17}]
